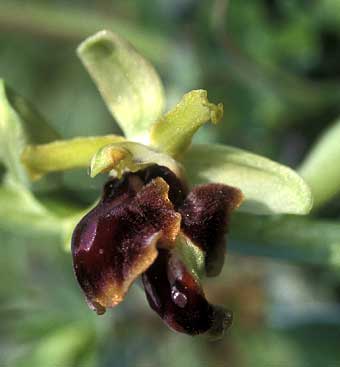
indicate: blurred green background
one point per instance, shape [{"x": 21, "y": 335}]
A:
[{"x": 276, "y": 67}]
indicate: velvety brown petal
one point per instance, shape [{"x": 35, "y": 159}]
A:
[
  {"x": 205, "y": 216},
  {"x": 116, "y": 241},
  {"x": 175, "y": 294}
]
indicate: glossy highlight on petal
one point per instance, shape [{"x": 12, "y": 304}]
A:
[
  {"x": 205, "y": 216},
  {"x": 176, "y": 295},
  {"x": 117, "y": 241}
]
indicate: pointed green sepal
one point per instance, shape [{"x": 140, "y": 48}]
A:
[
  {"x": 129, "y": 84},
  {"x": 172, "y": 134},
  {"x": 268, "y": 187}
]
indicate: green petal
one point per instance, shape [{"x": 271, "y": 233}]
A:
[
  {"x": 268, "y": 187},
  {"x": 129, "y": 84},
  {"x": 20, "y": 125},
  {"x": 172, "y": 134},
  {"x": 130, "y": 156},
  {"x": 321, "y": 167},
  {"x": 62, "y": 155}
]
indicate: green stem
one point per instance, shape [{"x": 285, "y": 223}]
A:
[
  {"x": 290, "y": 238},
  {"x": 76, "y": 24},
  {"x": 64, "y": 154}
]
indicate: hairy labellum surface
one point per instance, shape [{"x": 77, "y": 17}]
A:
[
  {"x": 205, "y": 214},
  {"x": 116, "y": 241},
  {"x": 133, "y": 231}
]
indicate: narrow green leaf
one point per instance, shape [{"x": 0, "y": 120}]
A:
[
  {"x": 321, "y": 167},
  {"x": 172, "y": 134},
  {"x": 286, "y": 237},
  {"x": 20, "y": 124},
  {"x": 268, "y": 187},
  {"x": 131, "y": 156},
  {"x": 129, "y": 85},
  {"x": 63, "y": 155}
]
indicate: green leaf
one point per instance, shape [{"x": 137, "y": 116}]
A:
[
  {"x": 321, "y": 167},
  {"x": 268, "y": 187},
  {"x": 291, "y": 238},
  {"x": 131, "y": 156},
  {"x": 63, "y": 155},
  {"x": 172, "y": 134},
  {"x": 20, "y": 124},
  {"x": 20, "y": 212},
  {"x": 129, "y": 85}
]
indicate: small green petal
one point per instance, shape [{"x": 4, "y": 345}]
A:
[
  {"x": 268, "y": 187},
  {"x": 63, "y": 155},
  {"x": 20, "y": 124},
  {"x": 173, "y": 132},
  {"x": 129, "y": 85},
  {"x": 130, "y": 156},
  {"x": 321, "y": 167}
]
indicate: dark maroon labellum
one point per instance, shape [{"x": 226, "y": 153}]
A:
[
  {"x": 117, "y": 240},
  {"x": 133, "y": 231}
]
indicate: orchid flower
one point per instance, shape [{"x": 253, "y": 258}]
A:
[{"x": 164, "y": 211}]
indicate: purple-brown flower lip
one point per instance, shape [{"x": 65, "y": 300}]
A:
[{"x": 133, "y": 231}]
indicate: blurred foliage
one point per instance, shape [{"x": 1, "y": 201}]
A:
[{"x": 276, "y": 67}]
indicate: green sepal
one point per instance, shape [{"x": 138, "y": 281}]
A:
[
  {"x": 268, "y": 187},
  {"x": 129, "y": 84},
  {"x": 172, "y": 134}
]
